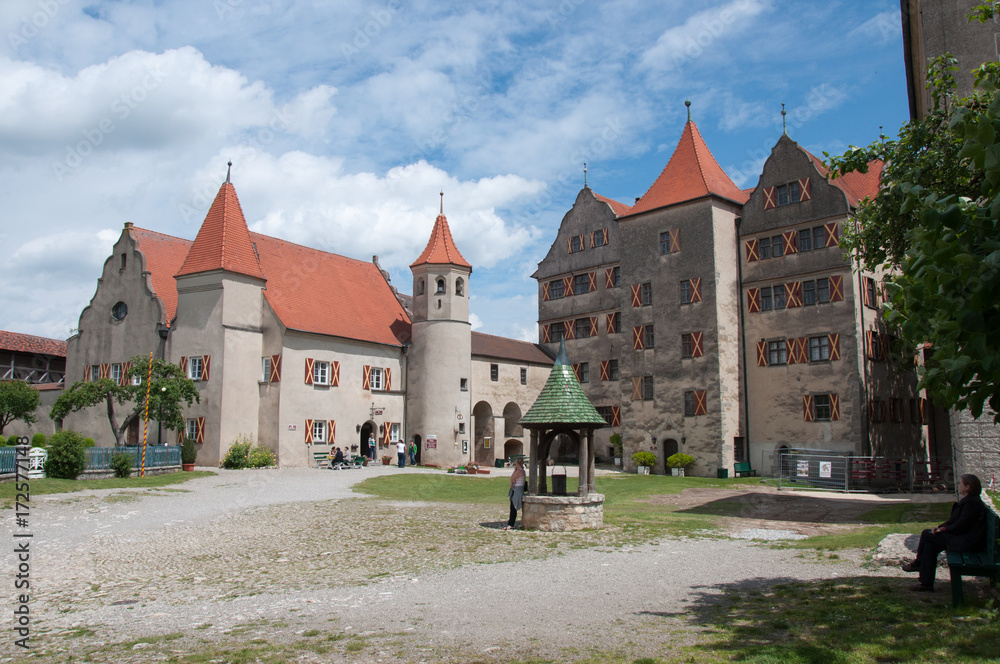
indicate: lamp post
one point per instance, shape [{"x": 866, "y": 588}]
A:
[{"x": 159, "y": 417}]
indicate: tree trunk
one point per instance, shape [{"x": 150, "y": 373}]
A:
[{"x": 113, "y": 420}]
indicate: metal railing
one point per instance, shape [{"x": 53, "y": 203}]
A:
[
  {"x": 845, "y": 471},
  {"x": 99, "y": 458}
]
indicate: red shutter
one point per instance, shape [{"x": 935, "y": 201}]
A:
[
  {"x": 696, "y": 347},
  {"x": 180, "y": 436},
  {"x": 834, "y": 407},
  {"x": 126, "y": 367},
  {"x": 637, "y": 389},
  {"x": 592, "y": 282},
  {"x": 805, "y": 192},
  {"x": 871, "y": 410},
  {"x": 331, "y": 436},
  {"x": 576, "y": 370},
  {"x": 637, "y": 338},
  {"x": 675, "y": 240},
  {"x": 762, "y": 353},
  {"x": 807, "y": 410},
  {"x": 837, "y": 288},
  {"x": 569, "y": 330},
  {"x": 105, "y": 370},
  {"x": 567, "y": 286},
  {"x": 696, "y": 289},
  {"x": 884, "y": 346},
  {"x": 753, "y": 300},
  {"x": 700, "y": 407},
  {"x": 86, "y": 373},
  {"x": 834, "y": 347},
  {"x": 387, "y": 372},
  {"x": 545, "y": 291},
  {"x": 200, "y": 433},
  {"x": 335, "y": 373},
  {"x": 605, "y": 370},
  {"x": 611, "y": 322},
  {"x": 832, "y": 233},
  {"x": 609, "y": 278},
  {"x": 592, "y": 245},
  {"x": 616, "y": 416},
  {"x": 546, "y": 334},
  {"x": 275, "y": 375},
  {"x": 309, "y": 431},
  {"x": 206, "y": 360},
  {"x": 605, "y": 233},
  {"x": 769, "y": 199},
  {"x": 752, "y": 250},
  {"x": 793, "y": 294},
  {"x": 593, "y": 326},
  {"x": 387, "y": 433},
  {"x": 792, "y": 357},
  {"x": 636, "y": 295},
  {"x": 366, "y": 377},
  {"x": 791, "y": 242},
  {"x": 184, "y": 365},
  {"x": 309, "y": 370},
  {"x": 569, "y": 245}
]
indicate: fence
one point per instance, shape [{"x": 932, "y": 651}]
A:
[
  {"x": 99, "y": 458},
  {"x": 844, "y": 471}
]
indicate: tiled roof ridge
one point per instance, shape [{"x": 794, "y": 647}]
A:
[
  {"x": 223, "y": 241},
  {"x": 31, "y": 343},
  {"x": 441, "y": 248},
  {"x": 856, "y": 186},
  {"x": 619, "y": 208},
  {"x": 165, "y": 235},
  {"x": 271, "y": 238}
]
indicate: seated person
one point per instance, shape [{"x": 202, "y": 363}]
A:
[
  {"x": 338, "y": 456},
  {"x": 964, "y": 531}
]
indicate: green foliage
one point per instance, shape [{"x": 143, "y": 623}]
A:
[
  {"x": 122, "y": 465},
  {"x": 170, "y": 390},
  {"x": 236, "y": 457},
  {"x": 89, "y": 442},
  {"x": 188, "y": 451},
  {"x": 18, "y": 401},
  {"x": 261, "y": 457},
  {"x": 38, "y": 440},
  {"x": 679, "y": 460},
  {"x": 616, "y": 442},
  {"x": 3, "y": 441},
  {"x": 66, "y": 455},
  {"x": 644, "y": 458}
]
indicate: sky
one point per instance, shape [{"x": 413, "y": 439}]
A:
[{"x": 344, "y": 120}]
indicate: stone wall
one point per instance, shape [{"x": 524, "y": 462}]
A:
[
  {"x": 976, "y": 444},
  {"x": 562, "y": 513}
]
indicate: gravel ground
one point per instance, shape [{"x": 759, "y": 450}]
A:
[{"x": 278, "y": 553}]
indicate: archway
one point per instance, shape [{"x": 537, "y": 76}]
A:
[
  {"x": 483, "y": 414},
  {"x": 670, "y": 448},
  {"x": 418, "y": 442},
  {"x": 367, "y": 430},
  {"x": 512, "y": 421}
]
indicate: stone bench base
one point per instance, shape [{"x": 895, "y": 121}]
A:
[{"x": 562, "y": 513}]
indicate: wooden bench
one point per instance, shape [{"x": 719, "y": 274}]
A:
[
  {"x": 743, "y": 469},
  {"x": 981, "y": 563},
  {"x": 321, "y": 459}
]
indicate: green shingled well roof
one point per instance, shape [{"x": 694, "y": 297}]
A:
[{"x": 562, "y": 400}]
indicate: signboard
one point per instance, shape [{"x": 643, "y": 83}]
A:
[
  {"x": 431, "y": 442},
  {"x": 291, "y": 427},
  {"x": 826, "y": 469},
  {"x": 486, "y": 442},
  {"x": 465, "y": 447},
  {"x": 802, "y": 468},
  {"x": 377, "y": 411}
]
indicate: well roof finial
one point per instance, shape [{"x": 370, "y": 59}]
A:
[
  {"x": 687, "y": 102},
  {"x": 442, "y": 202},
  {"x": 229, "y": 168},
  {"x": 784, "y": 127}
]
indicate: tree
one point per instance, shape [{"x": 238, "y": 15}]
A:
[
  {"x": 18, "y": 401},
  {"x": 935, "y": 228},
  {"x": 169, "y": 390}
]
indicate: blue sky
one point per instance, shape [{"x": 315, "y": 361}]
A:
[{"x": 344, "y": 120}]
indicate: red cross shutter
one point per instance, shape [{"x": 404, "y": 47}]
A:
[
  {"x": 126, "y": 367},
  {"x": 637, "y": 389},
  {"x": 105, "y": 370},
  {"x": 700, "y": 407},
  {"x": 546, "y": 334},
  {"x": 792, "y": 357},
  {"x": 569, "y": 245},
  {"x": 184, "y": 365},
  {"x": 576, "y": 370},
  {"x": 616, "y": 416},
  {"x": 807, "y": 410},
  {"x": 605, "y": 371},
  {"x": 790, "y": 301},
  {"x": 753, "y": 300},
  {"x": 834, "y": 407},
  {"x": 751, "y": 250},
  {"x": 791, "y": 242},
  {"x": 696, "y": 289},
  {"x": 637, "y": 338},
  {"x": 834, "y": 347},
  {"x": 366, "y": 378},
  {"x": 609, "y": 278},
  {"x": 636, "y": 295},
  {"x": 832, "y": 233},
  {"x": 332, "y": 435},
  {"x": 275, "y": 376},
  {"x": 923, "y": 411},
  {"x": 592, "y": 245},
  {"x": 883, "y": 340},
  {"x": 335, "y": 373},
  {"x": 387, "y": 433},
  {"x": 545, "y": 291},
  {"x": 837, "y": 288},
  {"x": 309, "y": 370},
  {"x": 86, "y": 373},
  {"x": 675, "y": 240},
  {"x": 206, "y": 360},
  {"x": 200, "y": 435},
  {"x": 569, "y": 330},
  {"x": 864, "y": 292},
  {"x": 805, "y": 192},
  {"x": 583, "y": 242},
  {"x": 769, "y": 199},
  {"x": 869, "y": 344},
  {"x": 180, "y": 436},
  {"x": 696, "y": 347},
  {"x": 309, "y": 431},
  {"x": 762, "y": 353},
  {"x": 803, "y": 350},
  {"x": 605, "y": 233},
  {"x": 593, "y": 326},
  {"x": 567, "y": 286},
  {"x": 592, "y": 281},
  {"x": 611, "y": 322},
  {"x": 387, "y": 379}
]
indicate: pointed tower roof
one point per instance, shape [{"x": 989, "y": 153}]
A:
[
  {"x": 562, "y": 401},
  {"x": 441, "y": 249},
  {"x": 223, "y": 241},
  {"x": 691, "y": 173}
]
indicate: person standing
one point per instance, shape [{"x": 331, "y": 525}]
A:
[
  {"x": 372, "y": 448},
  {"x": 401, "y": 452},
  {"x": 516, "y": 492},
  {"x": 413, "y": 453},
  {"x": 965, "y": 530}
]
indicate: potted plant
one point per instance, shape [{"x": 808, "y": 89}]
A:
[
  {"x": 616, "y": 443},
  {"x": 386, "y": 459},
  {"x": 678, "y": 462},
  {"x": 188, "y": 454},
  {"x": 644, "y": 460}
]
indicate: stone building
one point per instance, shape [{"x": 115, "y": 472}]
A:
[
  {"x": 718, "y": 322},
  {"x": 300, "y": 349},
  {"x": 40, "y": 362}
]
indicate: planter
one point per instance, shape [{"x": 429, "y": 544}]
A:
[
  {"x": 677, "y": 472},
  {"x": 643, "y": 470},
  {"x": 187, "y": 466}
]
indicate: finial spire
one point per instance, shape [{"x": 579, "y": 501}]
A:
[
  {"x": 687, "y": 102},
  {"x": 229, "y": 168},
  {"x": 784, "y": 127},
  {"x": 442, "y": 202},
  {"x": 584, "y": 175}
]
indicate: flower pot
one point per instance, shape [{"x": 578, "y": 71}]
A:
[
  {"x": 187, "y": 466},
  {"x": 643, "y": 470},
  {"x": 677, "y": 472}
]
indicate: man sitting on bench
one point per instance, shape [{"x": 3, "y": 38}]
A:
[
  {"x": 338, "y": 458},
  {"x": 964, "y": 531}
]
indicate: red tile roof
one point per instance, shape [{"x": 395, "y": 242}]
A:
[
  {"x": 857, "y": 186},
  {"x": 164, "y": 256},
  {"x": 223, "y": 241},
  {"x": 620, "y": 209},
  {"x": 487, "y": 345},
  {"x": 691, "y": 173},
  {"x": 440, "y": 247},
  {"x": 28, "y": 343}
]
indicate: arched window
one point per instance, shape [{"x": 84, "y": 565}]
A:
[
  {"x": 440, "y": 286},
  {"x": 420, "y": 286},
  {"x": 460, "y": 287}
]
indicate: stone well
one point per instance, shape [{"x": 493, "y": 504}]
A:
[{"x": 563, "y": 513}]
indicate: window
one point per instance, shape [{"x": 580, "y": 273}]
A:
[
  {"x": 607, "y": 412},
  {"x": 896, "y": 409},
  {"x": 646, "y": 293},
  {"x": 808, "y": 293},
  {"x": 687, "y": 293},
  {"x": 823, "y": 290},
  {"x": 647, "y": 336},
  {"x": 440, "y": 287},
  {"x": 690, "y": 403},
  {"x": 463, "y": 384},
  {"x": 819, "y": 349},
  {"x": 914, "y": 412},
  {"x": 124, "y": 261},
  {"x": 575, "y": 244},
  {"x": 524, "y": 376},
  {"x": 194, "y": 368},
  {"x": 461, "y": 427},
  {"x": 394, "y": 432},
  {"x": 616, "y": 275},
  {"x": 687, "y": 346},
  {"x": 116, "y": 373},
  {"x": 612, "y": 369},
  {"x": 777, "y": 352},
  {"x": 764, "y": 247},
  {"x": 765, "y": 299},
  {"x": 265, "y": 369},
  {"x": 789, "y": 193},
  {"x": 581, "y": 328},
  {"x": 581, "y": 284},
  {"x": 777, "y": 246},
  {"x": 557, "y": 332},
  {"x": 377, "y": 379},
  {"x": 420, "y": 286},
  {"x": 877, "y": 410},
  {"x": 665, "y": 243},
  {"x": 191, "y": 428},
  {"x": 871, "y": 297},
  {"x": 321, "y": 373},
  {"x": 647, "y": 388},
  {"x": 119, "y": 311},
  {"x": 319, "y": 431},
  {"x": 779, "y": 297},
  {"x": 821, "y": 407},
  {"x": 555, "y": 289},
  {"x": 819, "y": 237},
  {"x": 805, "y": 239},
  {"x": 494, "y": 372},
  {"x": 584, "y": 372},
  {"x": 599, "y": 238},
  {"x": 95, "y": 372},
  {"x": 460, "y": 287}
]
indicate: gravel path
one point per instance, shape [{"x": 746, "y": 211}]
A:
[{"x": 295, "y": 550}]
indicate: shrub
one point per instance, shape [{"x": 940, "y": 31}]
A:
[
  {"x": 236, "y": 457},
  {"x": 122, "y": 465},
  {"x": 680, "y": 460},
  {"x": 188, "y": 451},
  {"x": 3, "y": 441},
  {"x": 89, "y": 442},
  {"x": 261, "y": 457},
  {"x": 616, "y": 442},
  {"x": 66, "y": 455},
  {"x": 38, "y": 440},
  {"x": 644, "y": 458}
]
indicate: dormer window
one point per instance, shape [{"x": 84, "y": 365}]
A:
[
  {"x": 789, "y": 193},
  {"x": 460, "y": 287},
  {"x": 440, "y": 287}
]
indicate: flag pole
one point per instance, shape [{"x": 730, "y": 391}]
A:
[{"x": 145, "y": 418}]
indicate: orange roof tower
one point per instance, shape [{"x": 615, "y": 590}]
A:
[{"x": 441, "y": 249}]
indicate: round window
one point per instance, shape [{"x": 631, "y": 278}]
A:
[{"x": 119, "y": 311}]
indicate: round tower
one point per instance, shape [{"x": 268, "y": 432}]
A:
[{"x": 439, "y": 367}]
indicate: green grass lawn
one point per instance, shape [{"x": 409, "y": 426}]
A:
[{"x": 49, "y": 485}]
